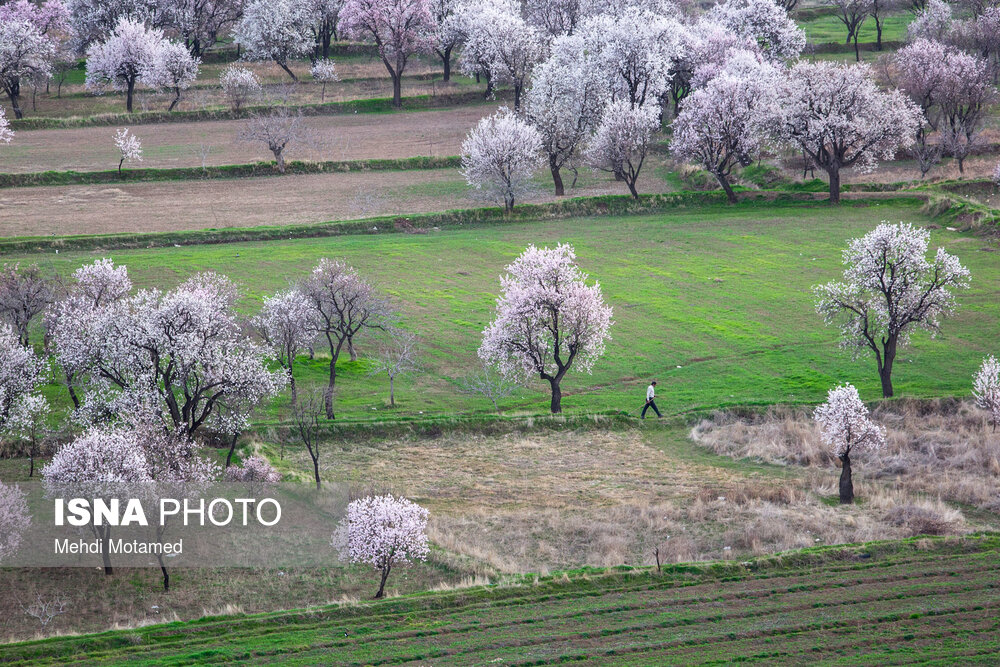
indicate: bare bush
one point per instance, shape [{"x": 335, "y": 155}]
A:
[{"x": 44, "y": 608}]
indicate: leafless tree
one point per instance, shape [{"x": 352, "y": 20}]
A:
[
  {"x": 397, "y": 355},
  {"x": 24, "y": 294},
  {"x": 489, "y": 384},
  {"x": 44, "y": 608},
  {"x": 307, "y": 414},
  {"x": 278, "y": 128}
]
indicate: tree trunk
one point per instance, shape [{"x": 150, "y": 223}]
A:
[
  {"x": 724, "y": 182},
  {"x": 232, "y": 449},
  {"x": 350, "y": 348},
  {"x": 631, "y": 188},
  {"x": 446, "y": 59},
  {"x": 556, "y": 404},
  {"x": 878, "y": 34},
  {"x": 291, "y": 384},
  {"x": 328, "y": 394},
  {"x": 166, "y": 575},
  {"x": 517, "y": 97},
  {"x": 857, "y": 53},
  {"x": 120, "y": 163},
  {"x": 128, "y": 95},
  {"x": 177, "y": 98},
  {"x": 14, "y": 94},
  {"x": 105, "y": 551},
  {"x": 31, "y": 461},
  {"x": 397, "y": 91},
  {"x": 381, "y": 586},
  {"x": 846, "y": 485},
  {"x": 284, "y": 66},
  {"x": 279, "y": 158},
  {"x": 392, "y": 392},
  {"x": 834, "y": 173},
  {"x": 315, "y": 460},
  {"x": 885, "y": 371},
  {"x": 556, "y": 177},
  {"x": 326, "y": 45},
  {"x": 961, "y": 164}
]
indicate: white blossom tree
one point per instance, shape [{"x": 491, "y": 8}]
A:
[
  {"x": 502, "y": 43},
  {"x": 890, "y": 289},
  {"x": 728, "y": 121},
  {"x": 239, "y": 85},
  {"x": 447, "y": 35},
  {"x": 399, "y": 28},
  {"x": 22, "y": 374},
  {"x": 173, "y": 68},
  {"x": 325, "y": 72},
  {"x": 124, "y": 58},
  {"x": 6, "y": 134},
  {"x": 966, "y": 94},
  {"x": 256, "y": 474},
  {"x": 383, "y": 532},
  {"x": 129, "y": 147},
  {"x": 202, "y": 23},
  {"x": 846, "y": 428},
  {"x": 934, "y": 22},
  {"x": 499, "y": 157},
  {"x": 622, "y": 141},
  {"x": 396, "y": 355},
  {"x": 93, "y": 20},
  {"x": 634, "y": 49},
  {"x": 344, "y": 305},
  {"x": 14, "y": 519},
  {"x": 986, "y": 388},
  {"x": 564, "y": 103},
  {"x": 278, "y": 30},
  {"x": 556, "y": 17},
  {"x": 285, "y": 324},
  {"x": 839, "y": 118},
  {"x": 764, "y": 22},
  {"x": 25, "y": 54},
  {"x": 325, "y": 23},
  {"x": 547, "y": 320}
]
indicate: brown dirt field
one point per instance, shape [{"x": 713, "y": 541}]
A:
[
  {"x": 179, "y": 205},
  {"x": 351, "y": 137}
]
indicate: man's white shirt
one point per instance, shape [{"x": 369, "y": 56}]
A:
[{"x": 650, "y": 393}]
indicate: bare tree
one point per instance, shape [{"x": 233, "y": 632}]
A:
[
  {"x": 397, "y": 355},
  {"x": 278, "y": 128},
  {"x": 24, "y": 294},
  {"x": 45, "y": 608},
  {"x": 490, "y": 384},
  {"x": 307, "y": 414}
]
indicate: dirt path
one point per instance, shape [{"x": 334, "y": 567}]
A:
[{"x": 359, "y": 136}]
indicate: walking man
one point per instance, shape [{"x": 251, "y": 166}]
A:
[{"x": 650, "y": 403}]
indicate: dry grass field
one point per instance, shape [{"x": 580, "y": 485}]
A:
[{"x": 348, "y": 137}]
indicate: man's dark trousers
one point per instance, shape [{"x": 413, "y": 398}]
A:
[{"x": 651, "y": 404}]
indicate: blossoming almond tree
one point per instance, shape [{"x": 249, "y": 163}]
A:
[
  {"x": 255, "y": 474},
  {"x": 278, "y": 30},
  {"x": 986, "y": 388},
  {"x": 22, "y": 374},
  {"x": 399, "y": 28},
  {"x": 846, "y": 428},
  {"x": 285, "y": 323},
  {"x": 500, "y": 155},
  {"x": 504, "y": 44},
  {"x": 173, "y": 68},
  {"x": 239, "y": 85},
  {"x": 25, "y": 54},
  {"x": 14, "y": 519},
  {"x": 25, "y": 292},
  {"x": 764, "y": 22},
  {"x": 6, "y": 134},
  {"x": 325, "y": 72},
  {"x": 564, "y": 103},
  {"x": 383, "y": 531},
  {"x": 839, "y": 118},
  {"x": 124, "y": 58},
  {"x": 890, "y": 289},
  {"x": 547, "y": 319},
  {"x": 728, "y": 121},
  {"x": 623, "y": 140},
  {"x": 129, "y": 147}
]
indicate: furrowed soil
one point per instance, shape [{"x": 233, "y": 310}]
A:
[
  {"x": 347, "y": 137},
  {"x": 880, "y": 603}
]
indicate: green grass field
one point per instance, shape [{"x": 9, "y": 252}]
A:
[
  {"x": 876, "y": 604},
  {"x": 831, "y": 29},
  {"x": 714, "y": 302}
]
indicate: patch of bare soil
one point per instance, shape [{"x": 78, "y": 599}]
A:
[{"x": 349, "y": 137}]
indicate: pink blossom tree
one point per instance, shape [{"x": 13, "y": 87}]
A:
[
  {"x": 728, "y": 121},
  {"x": 102, "y": 463},
  {"x": 285, "y": 323},
  {"x": 26, "y": 54},
  {"x": 846, "y": 428},
  {"x": 22, "y": 375},
  {"x": 839, "y": 118},
  {"x": 547, "y": 319},
  {"x": 344, "y": 305},
  {"x": 919, "y": 70},
  {"x": 399, "y": 28},
  {"x": 967, "y": 92},
  {"x": 564, "y": 104},
  {"x": 764, "y": 22},
  {"x": 622, "y": 141},
  {"x": 890, "y": 289},
  {"x": 255, "y": 474},
  {"x": 14, "y": 519},
  {"x": 383, "y": 532},
  {"x": 934, "y": 22},
  {"x": 705, "y": 46},
  {"x": 124, "y": 58},
  {"x": 499, "y": 157},
  {"x": 278, "y": 30},
  {"x": 173, "y": 68},
  {"x": 986, "y": 388}
]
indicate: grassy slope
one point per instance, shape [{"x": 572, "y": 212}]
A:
[
  {"x": 714, "y": 302},
  {"x": 882, "y": 603}
]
